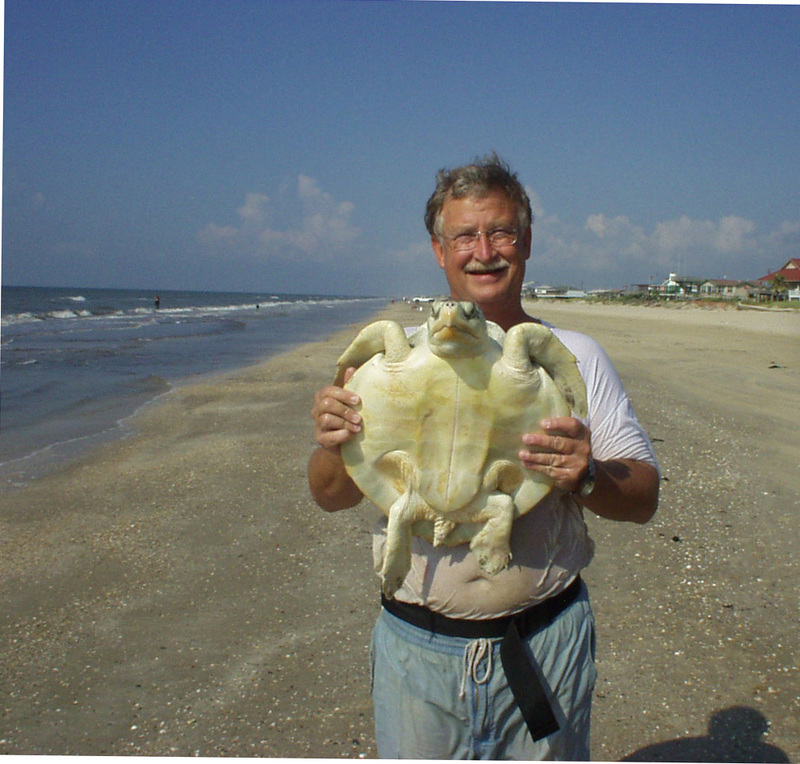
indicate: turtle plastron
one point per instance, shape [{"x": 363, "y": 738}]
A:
[{"x": 443, "y": 416}]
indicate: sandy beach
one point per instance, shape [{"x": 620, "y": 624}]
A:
[{"x": 179, "y": 593}]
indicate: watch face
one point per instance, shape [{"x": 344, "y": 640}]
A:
[{"x": 587, "y": 486}]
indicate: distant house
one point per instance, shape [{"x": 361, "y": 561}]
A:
[
  {"x": 729, "y": 289},
  {"x": 679, "y": 286},
  {"x": 562, "y": 292},
  {"x": 609, "y": 293},
  {"x": 790, "y": 271},
  {"x": 791, "y": 275}
]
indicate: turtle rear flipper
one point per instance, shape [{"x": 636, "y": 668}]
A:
[{"x": 408, "y": 508}]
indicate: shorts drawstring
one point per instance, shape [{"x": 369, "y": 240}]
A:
[{"x": 474, "y": 652}]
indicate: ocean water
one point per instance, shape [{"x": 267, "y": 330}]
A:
[{"x": 75, "y": 363}]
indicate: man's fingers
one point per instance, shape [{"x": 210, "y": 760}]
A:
[
  {"x": 337, "y": 401},
  {"x": 350, "y": 420},
  {"x": 335, "y": 421},
  {"x": 331, "y": 413},
  {"x": 561, "y": 452},
  {"x": 334, "y": 438}
]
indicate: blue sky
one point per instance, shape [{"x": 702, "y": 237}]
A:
[{"x": 291, "y": 146}]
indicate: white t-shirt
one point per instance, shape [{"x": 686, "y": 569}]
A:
[{"x": 550, "y": 544}]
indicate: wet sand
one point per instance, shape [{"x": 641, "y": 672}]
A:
[{"x": 178, "y": 593}]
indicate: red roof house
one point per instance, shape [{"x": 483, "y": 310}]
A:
[{"x": 790, "y": 272}]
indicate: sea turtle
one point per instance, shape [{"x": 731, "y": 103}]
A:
[{"x": 443, "y": 413}]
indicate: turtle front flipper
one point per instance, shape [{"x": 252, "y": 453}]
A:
[
  {"x": 385, "y": 337},
  {"x": 535, "y": 342}
]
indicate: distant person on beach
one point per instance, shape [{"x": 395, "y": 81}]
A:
[
  {"x": 158, "y": 302},
  {"x": 444, "y": 684}
]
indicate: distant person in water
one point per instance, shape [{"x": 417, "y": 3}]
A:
[{"x": 158, "y": 301}]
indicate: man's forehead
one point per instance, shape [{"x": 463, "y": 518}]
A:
[
  {"x": 455, "y": 204},
  {"x": 478, "y": 195},
  {"x": 496, "y": 201}
]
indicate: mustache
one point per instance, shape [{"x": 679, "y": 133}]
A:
[{"x": 475, "y": 267}]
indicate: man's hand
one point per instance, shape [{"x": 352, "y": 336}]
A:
[
  {"x": 562, "y": 452},
  {"x": 626, "y": 489},
  {"x": 335, "y": 421}
]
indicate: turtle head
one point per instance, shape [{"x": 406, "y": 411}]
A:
[{"x": 456, "y": 329}]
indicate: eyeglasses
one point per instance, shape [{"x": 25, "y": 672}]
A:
[{"x": 499, "y": 238}]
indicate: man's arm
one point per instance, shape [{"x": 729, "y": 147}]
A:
[
  {"x": 625, "y": 489},
  {"x": 335, "y": 422},
  {"x": 332, "y": 488}
]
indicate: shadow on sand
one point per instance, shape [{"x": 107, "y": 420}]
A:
[{"x": 734, "y": 734}]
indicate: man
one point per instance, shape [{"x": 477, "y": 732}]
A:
[{"x": 468, "y": 665}]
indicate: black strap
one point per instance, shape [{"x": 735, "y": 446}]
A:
[
  {"x": 430, "y": 620},
  {"x": 530, "y": 620},
  {"x": 526, "y": 686}
]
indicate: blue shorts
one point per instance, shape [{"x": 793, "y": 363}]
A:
[{"x": 438, "y": 697}]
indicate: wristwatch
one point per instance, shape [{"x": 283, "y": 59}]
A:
[{"x": 586, "y": 486}]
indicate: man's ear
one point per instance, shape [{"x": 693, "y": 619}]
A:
[
  {"x": 527, "y": 237},
  {"x": 438, "y": 250}
]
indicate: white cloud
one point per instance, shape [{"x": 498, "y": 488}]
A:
[
  {"x": 255, "y": 210},
  {"x": 682, "y": 234},
  {"x": 613, "y": 251},
  {"x": 309, "y": 231},
  {"x": 787, "y": 237},
  {"x": 537, "y": 210},
  {"x": 733, "y": 233},
  {"x": 414, "y": 254},
  {"x": 315, "y": 226}
]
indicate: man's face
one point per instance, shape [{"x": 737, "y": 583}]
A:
[{"x": 486, "y": 275}]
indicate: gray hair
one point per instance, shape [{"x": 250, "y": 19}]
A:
[{"x": 475, "y": 181}]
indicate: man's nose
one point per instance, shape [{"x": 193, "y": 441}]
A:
[{"x": 483, "y": 249}]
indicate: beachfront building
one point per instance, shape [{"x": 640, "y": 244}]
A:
[
  {"x": 610, "y": 294},
  {"x": 560, "y": 292},
  {"x": 788, "y": 275},
  {"x": 729, "y": 289},
  {"x": 679, "y": 286}
]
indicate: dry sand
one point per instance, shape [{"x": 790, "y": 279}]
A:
[{"x": 178, "y": 593}]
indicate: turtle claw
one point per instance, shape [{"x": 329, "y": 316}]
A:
[
  {"x": 390, "y": 586},
  {"x": 492, "y": 559}
]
